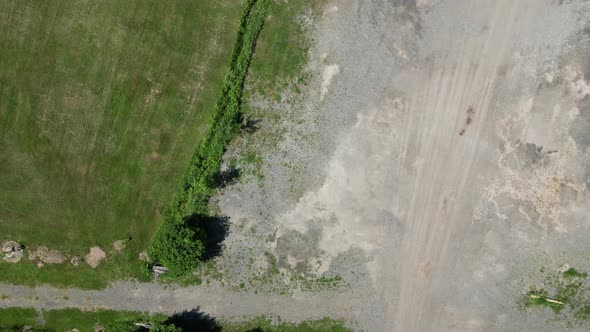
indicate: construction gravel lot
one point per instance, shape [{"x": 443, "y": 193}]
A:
[
  {"x": 435, "y": 163},
  {"x": 441, "y": 159}
]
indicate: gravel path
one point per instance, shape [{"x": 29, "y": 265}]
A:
[{"x": 155, "y": 298}]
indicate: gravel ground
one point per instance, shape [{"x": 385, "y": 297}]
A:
[
  {"x": 440, "y": 154},
  {"x": 221, "y": 303},
  {"x": 436, "y": 161}
]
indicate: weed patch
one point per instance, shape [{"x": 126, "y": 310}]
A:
[{"x": 566, "y": 293}]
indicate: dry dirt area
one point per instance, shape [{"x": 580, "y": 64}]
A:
[
  {"x": 94, "y": 257},
  {"x": 440, "y": 160},
  {"x": 45, "y": 255},
  {"x": 436, "y": 162}
]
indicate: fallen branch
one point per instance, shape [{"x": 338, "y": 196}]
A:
[
  {"x": 144, "y": 325},
  {"x": 548, "y": 299}
]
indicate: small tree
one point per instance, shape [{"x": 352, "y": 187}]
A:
[{"x": 178, "y": 246}]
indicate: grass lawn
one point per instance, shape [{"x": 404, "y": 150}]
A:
[
  {"x": 13, "y": 319},
  {"x": 102, "y": 104}
]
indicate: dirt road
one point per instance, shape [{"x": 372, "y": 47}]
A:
[
  {"x": 460, "y": 164},
  {"x": 446, "y": 117},
  {"x": 457, "y": 145}
]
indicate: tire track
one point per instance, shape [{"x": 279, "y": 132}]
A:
[{"x": 446, "y": 156}]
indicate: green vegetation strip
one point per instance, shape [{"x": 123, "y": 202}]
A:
[
  {"x": 180, "y": 242},
  {"x": 15, "y": 319},
  {"x": 567, "y": 294}
]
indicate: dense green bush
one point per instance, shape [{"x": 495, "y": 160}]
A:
[{"x": 178, "y": 245}]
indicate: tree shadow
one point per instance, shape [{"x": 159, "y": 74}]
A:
[
  {"x": 251, "y": 125},
  {"x": 216, "y": 228},
  {"x": 194, "y": 320},
  {"x": 227, "y": 177}
]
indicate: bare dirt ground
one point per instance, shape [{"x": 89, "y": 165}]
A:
[
  {"x": 441, "y": 156},
  {"x": 438, "y": 160},
  {"x": 95, "y": 256}
]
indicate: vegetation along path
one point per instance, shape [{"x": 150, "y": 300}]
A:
[{"x": 219, "y": 302}]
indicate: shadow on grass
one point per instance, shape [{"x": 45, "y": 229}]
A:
[
  {"x": 194, "y": 320},
  {"x": 216, "y": 228}
]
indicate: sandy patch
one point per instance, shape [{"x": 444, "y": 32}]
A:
[
  {"x": 143, "y": 256},
  {"x": 422, "y": 3},
  {"x": 119, "y": 245},
  {"x": 330, "y": 10},
  {"x": 152, "y": 156},
  {"x": 95, "y": 256},
  {"x": 327, "y": 77},
  {"x": 46, "y": 255},
  {"x": 577, "y": 84}
]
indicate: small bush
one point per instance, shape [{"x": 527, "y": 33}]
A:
[
  {"x": 573, "y": 273},
  {"x": 178, "y": 246}
]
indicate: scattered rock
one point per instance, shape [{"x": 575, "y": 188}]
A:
[
  {"x": 27, "y": 328},
  {"x": 98, "y": 328},
  {"x": 143, "y": 256},
  {"x": 46, "y": 255},
  {"x": 40, "y": 264},
  {"x": 12, "y": 252},
  {"x": 75, "y": 261},
  {"x": 95, "y": 256},
  {"x": 119, "y": 245}
]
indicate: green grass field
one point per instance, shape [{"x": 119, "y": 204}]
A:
[
  {"x": 102, "y": 104},
  {"x": 14, "y": 319},
  {"x": 101, "y": 107}
]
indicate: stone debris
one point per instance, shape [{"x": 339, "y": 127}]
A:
[
  {"x": 75, "y": 261},
  {"x": 159, "y": 270},
  {"x": 12, "y": 252}
]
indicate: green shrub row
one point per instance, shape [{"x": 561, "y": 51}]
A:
[{"x": 178, "y": 245}]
